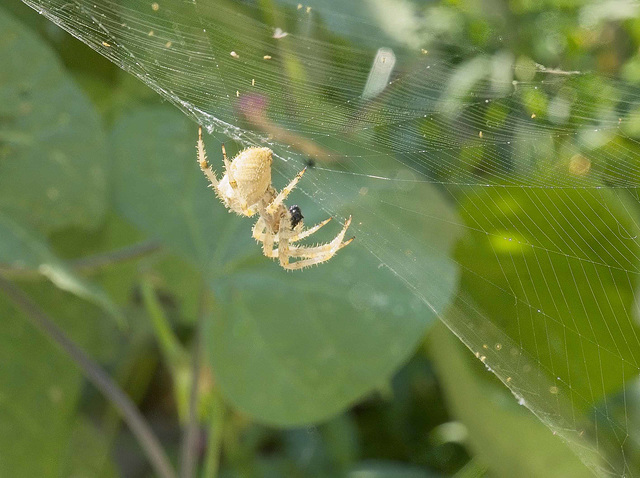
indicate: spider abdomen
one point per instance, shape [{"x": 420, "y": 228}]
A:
[{"x": 251, "y": 171}]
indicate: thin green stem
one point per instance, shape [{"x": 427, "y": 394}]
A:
[
  {"x": 89, "y": 263},
  {"x": 214, "y": 439},
  {"x": 171, "y": 348},
  {"x": 97, "y": 261},
  {"x": 190, "y": 438},
  {"x": 98, "y": 377}
]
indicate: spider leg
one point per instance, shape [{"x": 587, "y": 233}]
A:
[
  {"x": 204, "y": 164},
  {"x": 258, "y": 233},
  {"x": 338, "y": 239},
  {"x": 309, "y": 252},
  {"x": 227, "y": 164},
  {"x": 283, "y": 245},
  {"x": 227, "y": 168},
  {"x": 309, "y": 231},
  {"x": 282, "y": 252},
  {"x": 246, "y": 210},
  {"x": 267, "y": 245},
  {"x": 313, "y": 255},
  {"x": 315, "y": 258},
  {"x": 273, "y": 205},
  {"x": 329, "y": 249}
]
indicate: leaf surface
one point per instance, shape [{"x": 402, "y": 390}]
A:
[{"x": 52, "y": 144}]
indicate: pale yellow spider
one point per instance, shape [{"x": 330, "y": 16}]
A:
[{"x": 246, "y": 190}]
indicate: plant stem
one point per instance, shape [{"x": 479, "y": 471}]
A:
[
  {"x": 170, "y": 347},
  {"x": 190, "y": 439},
  {"x": 123, "y": 254},
  {"x": 89, "y": 263},
  {"x": 214, "y": 440},
  {"x": 98, "y": 377}
]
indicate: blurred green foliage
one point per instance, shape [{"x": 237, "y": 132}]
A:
[{"x": 323, "y": 374}]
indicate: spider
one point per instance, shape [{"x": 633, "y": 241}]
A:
[{"x": 246, "y": 190}]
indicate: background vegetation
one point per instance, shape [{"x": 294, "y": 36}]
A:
[{"x": 107, "y": 226}]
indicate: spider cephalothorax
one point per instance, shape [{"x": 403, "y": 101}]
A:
[{"x": 246, "y": 189}]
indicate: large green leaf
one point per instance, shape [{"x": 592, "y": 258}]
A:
[
  {"x": 389, "y": 469},
  {"x": 287, "y": 348},
  {"x": 508, "y": 438},
  {"x": 38, "y": 392},
  {"x": 550, "y": 268},
  {"x": 40, "y": 387},
  {"x": 52, "y": 148},
  {"x": 94, "y": 460}
]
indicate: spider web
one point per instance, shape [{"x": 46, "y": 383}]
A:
[{"x": 540, "y": 164}]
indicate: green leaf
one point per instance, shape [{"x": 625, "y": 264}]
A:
[
  {"x": 550, "y": 268},
  {"x": 23, "y": 249},
  {"x": 39, "y": 388},
  {"x": 94, "y": 459},
  {"x": 288, "y": 348},
  {"x": 52, "y": 145},
  {"x": 509, "y": 439},
  {"x": 389, "y": 469}
]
